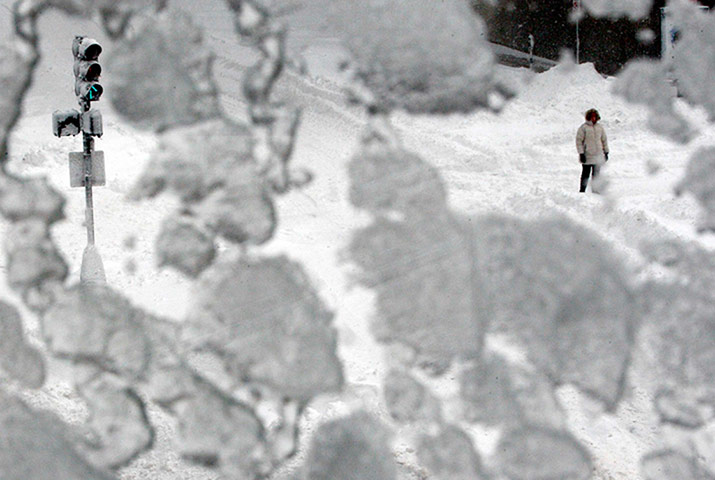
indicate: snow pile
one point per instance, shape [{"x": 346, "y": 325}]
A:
[
  {"x": 92, "y": 267},
  {"x": 564, "y": 88}
]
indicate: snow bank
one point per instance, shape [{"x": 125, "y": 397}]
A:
[{"x": 563, "y": 89}]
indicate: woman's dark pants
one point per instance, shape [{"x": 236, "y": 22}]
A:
[{"x": 586, "y": 172}]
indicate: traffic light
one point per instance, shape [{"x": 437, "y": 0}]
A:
[{"x": 86, "y": 69}]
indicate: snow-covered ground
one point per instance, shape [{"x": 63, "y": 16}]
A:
[{"x": 521, "y": 161}]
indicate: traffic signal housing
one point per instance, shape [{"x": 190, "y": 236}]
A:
[
  {"x": 67, "y": 122},
  {"x": 87, "y": 69}
]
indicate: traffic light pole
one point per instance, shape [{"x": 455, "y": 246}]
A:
[
  {"x": 88, "y": 143},
  {"x": 87, "y": 166}
]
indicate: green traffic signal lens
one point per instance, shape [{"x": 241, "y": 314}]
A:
[{"x": 94, "y": 92}]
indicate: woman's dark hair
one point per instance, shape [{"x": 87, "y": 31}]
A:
[{"x": 590, "y": 111}]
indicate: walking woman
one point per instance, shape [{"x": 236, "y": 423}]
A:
[{"x": 592, "y": 147}]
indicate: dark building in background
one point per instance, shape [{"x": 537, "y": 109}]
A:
[{"x": 609, "y": 44}]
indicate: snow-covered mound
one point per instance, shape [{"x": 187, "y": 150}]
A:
[{"x": 566, "y": 87}]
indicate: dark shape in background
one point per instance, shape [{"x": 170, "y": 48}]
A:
[{"x": 607, "y": 43}]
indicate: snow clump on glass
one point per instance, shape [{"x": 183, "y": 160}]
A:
[
  {"x": 211, "y": 167},
  {"x": 530, "y": 453},
  {"x": 449, "y": 454},
  {"x": 355, "y": 447},
  {"x": 262, "y": 317},
  {"x": 557, "y": 289},
  {"x": 694, "y": 58},
  {"x": 495, "y": 392},
  {"x": 645, "y": 82},
  {"x": 215, "y": 430},
  {"x": 422, "y": 56},
  {"x": 21, "y": 199},
  {"x": 185, "y": 245},
  {"x": 670, "y": 464},
  {"x": 161, "y": 76},
  {"x": 34, "y": 263},
  {"x": 39, "y": 446},
  {"x": 699, "y": 181},
  {"x": 408, "y": 400},
  {"x": 118, "y": 422},
  {"x": 18, "y": 359},
  {"x": 16, "y": 64},
  {"x": 97, "y": 326}
]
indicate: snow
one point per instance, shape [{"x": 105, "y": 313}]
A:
[
  {"x": 520, "y": 162},
  {"x": 536, "y": 452},
  {"x": 450, "y": 454},
  {"x": 697, "y": 179},
  {"x": 694, "y": 61},
  {"x": 19, "y": 360},
  {"x": 44, "y": 442},
  {"x": 352, "y": 448}
]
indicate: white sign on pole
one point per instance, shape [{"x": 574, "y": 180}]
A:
[{"x": 77, "y": 169}]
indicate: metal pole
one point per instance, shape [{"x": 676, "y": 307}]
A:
[
  {"x": 578, "y": 44},
  {"x": 88, "y": 142},
  {"x": 577, "y": 6},
  {"x": 531, "y": 50}
]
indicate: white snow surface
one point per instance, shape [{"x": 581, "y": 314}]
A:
[{"x": 522, "y": 161}]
